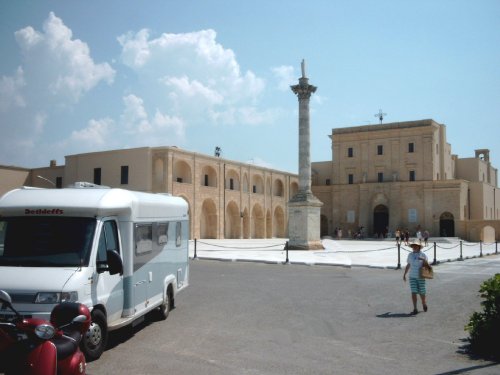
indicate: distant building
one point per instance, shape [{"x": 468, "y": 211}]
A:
[
  {"x": 227, "y": 199},
  {"x": 381, "y": 177},
  {"x": 403, "y": 175}
]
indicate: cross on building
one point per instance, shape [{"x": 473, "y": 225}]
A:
[{"x": 380, "y": 115}]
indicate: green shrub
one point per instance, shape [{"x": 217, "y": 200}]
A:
[{"x": 484, "y": 327}]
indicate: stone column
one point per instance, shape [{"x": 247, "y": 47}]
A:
[{"x": 304, "y": 208}]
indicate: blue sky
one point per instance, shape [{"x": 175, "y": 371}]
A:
[{"x": 82, "y": 76}]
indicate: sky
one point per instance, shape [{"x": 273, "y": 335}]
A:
[{"x": 83, "y": 76}]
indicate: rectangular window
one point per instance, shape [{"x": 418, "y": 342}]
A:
[
  {"x": 162, "y": 233},
  {"x": 231, "y": 184},
  {"x": 350, "y": 152},
  {"x": 124, "y": 175},
  {"x": 411, "y": 147},
  {"x": 380, "y": 150},
  {"x": 58, "y": 182},
  {"x": 254, "y": 189},
  {"x": 380, "y": 176},
  {"x": 206, "y": 180},
  {"x": 351, "y": 216},
  {"x": 412, "y": 176},
  {"x": 97, "y": 176},
  {"x": 328, "y": 182},
  {"x": 350, "y": 178},
  {"x": 143, "y": 238},
  {"x": 412, "y": 215},
  {"x": 179, "y": 180}
]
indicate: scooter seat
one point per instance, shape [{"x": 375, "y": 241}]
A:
[{"x": 66, "y": 345}]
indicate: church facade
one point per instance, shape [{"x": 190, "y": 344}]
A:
[{"x": 404, "y": 175}]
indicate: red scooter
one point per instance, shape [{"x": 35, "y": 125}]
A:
[{"x": 30, "y": 346}]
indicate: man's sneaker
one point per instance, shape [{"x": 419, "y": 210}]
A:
[
  {"x": 425, "y": 308},
  {"x": 414, "y": 312}
]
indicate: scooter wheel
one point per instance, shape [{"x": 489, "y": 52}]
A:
[{"x": 95, "y": 339}]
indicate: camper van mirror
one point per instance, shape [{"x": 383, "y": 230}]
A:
[{"x": 114, "y": 262}]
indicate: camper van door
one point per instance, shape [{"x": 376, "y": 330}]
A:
[{"x": 108, "y": 288}]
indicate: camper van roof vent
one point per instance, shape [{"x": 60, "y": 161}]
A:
[{"x": 87, "y": 185}]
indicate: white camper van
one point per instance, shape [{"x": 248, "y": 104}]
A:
[{"x": 122, "y": 253}]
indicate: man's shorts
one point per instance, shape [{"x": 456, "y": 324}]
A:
[{"x": 417, "y": 285}]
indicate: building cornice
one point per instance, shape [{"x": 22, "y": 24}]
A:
[{"x": 389, "y": 126}]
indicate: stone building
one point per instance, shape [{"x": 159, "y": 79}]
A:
[
  {"x": 227, "y": 199},
  {"x": 403, "y": 175}
]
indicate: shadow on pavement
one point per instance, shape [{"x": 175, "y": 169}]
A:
[
  {"x": 395, "y": 315},
  {"x": 468, "y": 369}
]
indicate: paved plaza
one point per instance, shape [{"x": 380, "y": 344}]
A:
[{"x": 274, "y": 319}]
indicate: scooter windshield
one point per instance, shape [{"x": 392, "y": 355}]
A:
[{"x": 46, "y": 241}]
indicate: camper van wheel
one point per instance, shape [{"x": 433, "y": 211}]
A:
[
  {"x": 94, "y": 341},
  {"x": 164, "y": 308}
]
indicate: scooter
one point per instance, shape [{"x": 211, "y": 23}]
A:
[{"x": 30, "y": 346}]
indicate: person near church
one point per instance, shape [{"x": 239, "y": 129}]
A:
[
  {"x": 419, "y": 236},
  {"x": 426, "y": 237},
  {"x": 398, "y": 236}
]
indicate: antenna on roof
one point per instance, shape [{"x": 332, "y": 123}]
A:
[
  {"x": 218, "y": 151},
  {"x": 380, "y": 115}
]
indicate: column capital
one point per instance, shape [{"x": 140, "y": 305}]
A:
[{"x": 303, "y": 90}]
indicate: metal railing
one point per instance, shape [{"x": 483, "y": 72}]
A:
[{"x": 284, "y": 248}]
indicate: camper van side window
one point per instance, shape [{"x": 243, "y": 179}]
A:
[
  {"x": 162, "y": 231},
  {"x": 178, "y": 234},
  {"x": 143, "y": 238}
]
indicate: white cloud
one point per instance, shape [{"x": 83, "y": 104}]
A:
[
  {"x": 10, "y": 91},
  {"x": 136, "y": 120},
  {"x": 95, "y": 134},
  {"x": 193, "y": 88},
  {"x": 285, "y": 74},
  {"x": 199, "y": 75},
  {"x": 135, "y": 117},
  {"x": 56, "y": 62}
]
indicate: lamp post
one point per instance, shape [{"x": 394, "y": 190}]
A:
[{"x": 46, "y": 179}]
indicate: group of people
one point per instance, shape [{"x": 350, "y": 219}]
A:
[{"x": 403, "y": 236}]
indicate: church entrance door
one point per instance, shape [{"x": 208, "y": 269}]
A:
[{"x": 380, "y": 220}]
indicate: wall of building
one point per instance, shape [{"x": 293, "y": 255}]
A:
[
  {"x": 13, "y": 177},
  {"x": 81, "y": 168},
  {"x": 227, "y": 199}
]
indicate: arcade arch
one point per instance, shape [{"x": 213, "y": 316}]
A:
[
  {"x": 233, "y": 221},
  {"x": 232, "y": 180},
  {"x": 208, "y": 219},
  {"x": 279, "y": 223},
  {"x": 257, "y": 222},
  {"x": 182, "y": 172},
  {"x": 208, "y": 176},
  {"x": 278, "y": 190},
  {"x": 257, "y": 184}
]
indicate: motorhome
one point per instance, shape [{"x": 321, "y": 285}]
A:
[{"x": 120, "y": 252}]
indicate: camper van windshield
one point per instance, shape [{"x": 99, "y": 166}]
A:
[{"x": 46, "y": 241}]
